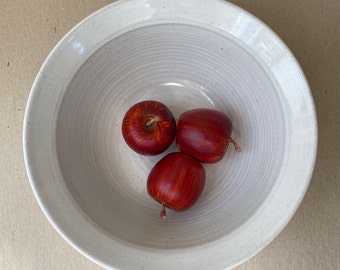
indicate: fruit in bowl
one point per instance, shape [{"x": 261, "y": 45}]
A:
[
  {"x": 176, "y": 182},
  {"x": 149, "y": 127},
  {"x": 205, "y": 134}
]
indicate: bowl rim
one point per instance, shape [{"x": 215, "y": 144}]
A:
[{"x": 174, "y": 12}]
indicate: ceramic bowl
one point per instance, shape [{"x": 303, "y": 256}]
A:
[{"x": 187, "y": 54}]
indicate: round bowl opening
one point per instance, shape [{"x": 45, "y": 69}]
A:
[{"x": 185, "y": 67}]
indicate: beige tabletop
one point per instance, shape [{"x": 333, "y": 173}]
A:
[{"x": 29, "y": 29}]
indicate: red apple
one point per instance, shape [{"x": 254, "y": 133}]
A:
[
  {"x": 205, "y": 134},
  {"x": 149, "y": 127},
  {"x": 176, "y": 182}
]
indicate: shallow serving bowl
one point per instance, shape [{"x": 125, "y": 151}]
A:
[{"x": 186, "y": 54}]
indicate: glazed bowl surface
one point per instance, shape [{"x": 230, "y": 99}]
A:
[{"x": 186, "y": 54}]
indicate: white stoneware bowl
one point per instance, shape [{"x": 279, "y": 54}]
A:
[{"x": 186, "y": 54}]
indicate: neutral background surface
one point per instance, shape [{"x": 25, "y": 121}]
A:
[{"x": 29, "y": 29}]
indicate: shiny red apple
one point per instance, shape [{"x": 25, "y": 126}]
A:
[
  {"x": 205, "y": 134},
  {"x": 176, "y": 182},
  {"x": 149, "y": 127}
]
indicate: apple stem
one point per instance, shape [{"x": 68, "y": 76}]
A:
[
  {"x": 237, "y": 147},
  {"x": 151, "y": 121},
  {"x": 163, "y": 214}
]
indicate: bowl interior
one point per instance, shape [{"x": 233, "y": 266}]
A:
[{"x": 184, "y": 66}]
